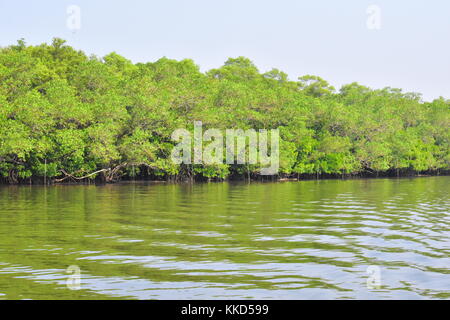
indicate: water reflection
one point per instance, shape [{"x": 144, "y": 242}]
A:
[{"x": 290, "y": 240}]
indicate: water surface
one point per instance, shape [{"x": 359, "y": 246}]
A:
[{"x": 285, "y": 240}]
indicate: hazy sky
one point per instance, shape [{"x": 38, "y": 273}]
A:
[{"x": 411, "y": 50}]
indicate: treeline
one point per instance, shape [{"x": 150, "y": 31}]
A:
[{"x": 65, "y": 116}]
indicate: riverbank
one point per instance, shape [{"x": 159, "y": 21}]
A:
[{"x": 200, "y": 179}]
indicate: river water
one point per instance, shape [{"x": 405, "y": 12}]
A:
[{"x": 327, "y": 239}]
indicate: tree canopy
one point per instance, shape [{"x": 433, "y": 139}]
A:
[{"x": 66, "y": 116}]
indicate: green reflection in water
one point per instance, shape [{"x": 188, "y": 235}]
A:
[{"x": 287, "y": 240}]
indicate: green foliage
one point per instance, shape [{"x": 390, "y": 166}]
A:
[{"x": 62, "y": 112}]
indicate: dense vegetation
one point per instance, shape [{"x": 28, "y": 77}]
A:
[{"x": 69, "y": 117}]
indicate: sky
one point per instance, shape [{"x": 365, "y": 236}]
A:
[{"x": 402, "y": 43}]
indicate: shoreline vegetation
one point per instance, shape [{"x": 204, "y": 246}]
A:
[
  {"x": 257, "y": 179},
  {"x": 66, "y": 117}
]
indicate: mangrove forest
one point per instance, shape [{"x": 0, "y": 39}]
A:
[{"x": 66, "y": 117}]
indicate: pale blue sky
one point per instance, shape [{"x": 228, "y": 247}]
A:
[{"x": 322, "y": 37}]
